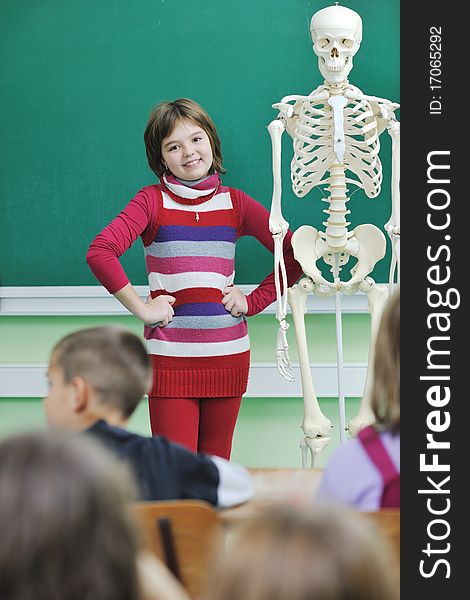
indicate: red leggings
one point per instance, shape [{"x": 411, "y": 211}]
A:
[{"x": 200, "y": 424}]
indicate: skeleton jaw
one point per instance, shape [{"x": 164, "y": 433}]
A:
[
  {"x": 336, "y": 64},
  {"x": 335, "y": 70}
]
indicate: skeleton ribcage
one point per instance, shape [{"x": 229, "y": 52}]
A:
[{"x": 314, "y": 153}]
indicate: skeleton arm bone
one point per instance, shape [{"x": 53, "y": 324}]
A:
[
  {"x": 278, "y": 227},
  {"x": 392, "y": 227}
]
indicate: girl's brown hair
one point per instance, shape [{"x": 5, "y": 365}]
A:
[
  {"x": 161, "y": 123},
  {"x": 67, "y": 531},
  {"x": 385, "y": 400},
  {"x": 283, "y": 553}
]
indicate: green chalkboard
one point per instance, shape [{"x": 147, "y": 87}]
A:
[{"x": 79, "y": 78}]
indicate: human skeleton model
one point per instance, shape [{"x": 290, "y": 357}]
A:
[{"x": 335, "y": 132}]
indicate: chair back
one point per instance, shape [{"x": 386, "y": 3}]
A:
[
  {"x": 387, "y": 523},
  {"x": 180, "y": 534}
]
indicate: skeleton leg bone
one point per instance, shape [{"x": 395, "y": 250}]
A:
[
  {"x": 315, "y": 423},
  {"x": 313, "y": 446},
  {"x": 303, "y": 449},
  {"x": 377, "y": 295}
]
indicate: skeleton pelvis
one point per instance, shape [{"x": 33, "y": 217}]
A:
[
  {"x": 366, "y": 243},
  {"x": 371, "y": 246},
  {"x": 308, "y": 248}
]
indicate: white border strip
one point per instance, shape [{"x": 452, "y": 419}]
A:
[
  {"x": 29, "y": 381},
  {"x": 89, "y": 300}
]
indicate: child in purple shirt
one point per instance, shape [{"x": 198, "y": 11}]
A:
[{"x": 365, "y": 472}]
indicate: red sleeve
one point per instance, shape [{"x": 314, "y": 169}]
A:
[
  {"x": 254, "y": 221},
  {"x": 137, "y": 219}
]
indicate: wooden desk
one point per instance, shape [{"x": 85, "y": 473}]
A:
[
  {"x": 294, "y": 486},
  {"x": 298, "y": 487}
]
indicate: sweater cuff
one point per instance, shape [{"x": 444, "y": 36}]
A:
[
  {"x": 251, "y": 310},
  {"x": 115, "y": 287}
]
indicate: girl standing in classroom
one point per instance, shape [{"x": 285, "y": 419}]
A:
[{"x": 195, "y": 318}]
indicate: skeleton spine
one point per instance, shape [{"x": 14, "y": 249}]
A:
[{"x": 336, "y": 224}]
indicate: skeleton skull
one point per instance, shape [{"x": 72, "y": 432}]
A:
[{"x": 336, "y": 34}]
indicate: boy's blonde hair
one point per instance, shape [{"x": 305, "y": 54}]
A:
[
  {"x": 112, "y": 360},
  {"x": 385, "y": 400},
  {"x": 286, "y": 553},
  {"x": 161, "y": 123}
]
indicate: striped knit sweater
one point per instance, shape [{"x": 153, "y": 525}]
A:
[{"x": 189, "y": 236}]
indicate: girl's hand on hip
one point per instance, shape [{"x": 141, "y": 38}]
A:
[
  {"x": 159, "y": 311},
  {"x": 234, "y": 301}
]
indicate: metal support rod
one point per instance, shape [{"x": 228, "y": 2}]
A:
[{"x": 339, "y": 356}]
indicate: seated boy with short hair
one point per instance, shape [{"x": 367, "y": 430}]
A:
[{"x": 97, "y": 377}]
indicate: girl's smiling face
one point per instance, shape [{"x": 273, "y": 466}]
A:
[{"x": 187, "y": 151}]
